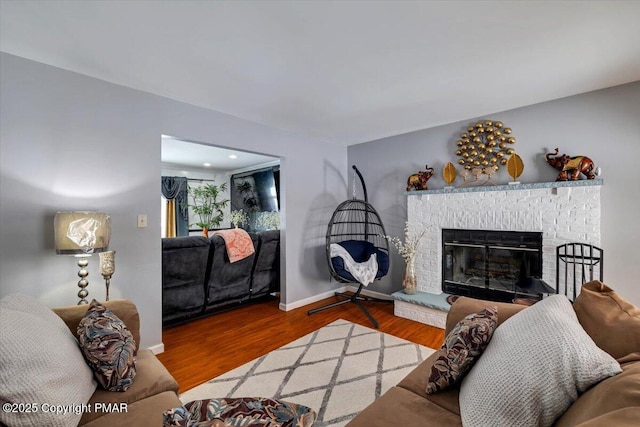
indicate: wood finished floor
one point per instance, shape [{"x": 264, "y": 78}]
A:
[{"x": 202, "y": 349}]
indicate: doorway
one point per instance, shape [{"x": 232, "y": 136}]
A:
[{"x": 248, "y": 181}]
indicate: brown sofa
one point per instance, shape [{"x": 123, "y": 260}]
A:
[
  {"x": 612, "y": 323},
  {"x": 153, "y": 391}
]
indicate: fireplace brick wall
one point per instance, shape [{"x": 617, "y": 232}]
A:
[{"x": 564, "y": 212}]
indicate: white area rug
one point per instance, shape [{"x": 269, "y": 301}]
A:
[{"x": 337, "y": 370}]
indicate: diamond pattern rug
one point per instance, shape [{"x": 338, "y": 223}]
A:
[{"x": 337, "y": 370}]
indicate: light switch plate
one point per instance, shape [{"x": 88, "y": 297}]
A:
[{"x": 142, "y": 221}]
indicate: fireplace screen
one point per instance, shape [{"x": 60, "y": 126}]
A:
[{"x": 496, "y": 265}]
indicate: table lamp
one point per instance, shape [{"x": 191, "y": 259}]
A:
[{"x": 82, "y": 234}]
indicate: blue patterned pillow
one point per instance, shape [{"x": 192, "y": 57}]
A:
[{"x": 108, "y": 347}]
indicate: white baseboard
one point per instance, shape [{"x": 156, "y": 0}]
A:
[
  {"x": 311, "y": 300},
  {"x": 316, "y": 298},
  {"x": 372, "y": 294},
  {"x": 157, "y": 349}
]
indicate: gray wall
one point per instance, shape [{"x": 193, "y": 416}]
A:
[
  {"x": 604, "y": 125},
  {"x": 73, "y": 142}
]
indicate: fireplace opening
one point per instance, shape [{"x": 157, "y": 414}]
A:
[{"x": 493, "y": 265}]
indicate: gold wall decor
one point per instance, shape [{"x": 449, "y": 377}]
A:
[
  {"x": 515, "y": 166},
  {"x": 449, "y": 173},
  {"x": 485, "y": 145}
]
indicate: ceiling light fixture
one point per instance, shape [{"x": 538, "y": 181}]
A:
[
  {"x": 207, "y": 164},
  {"x": 233, "y": 156}
]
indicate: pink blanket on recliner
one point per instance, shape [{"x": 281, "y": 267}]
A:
[{"x": 238, "y": 243}]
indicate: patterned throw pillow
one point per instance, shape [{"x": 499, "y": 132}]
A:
[
  {"x": 464, "y": 344},
  {"x": 108, "y": 347},
  {"x": 240, "y": 411}
]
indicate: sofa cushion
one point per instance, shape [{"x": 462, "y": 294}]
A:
[
  {"x": 612, "y": 322},
  {"x": 608, "y": 399},
  {"x": 360, "y": 251},
  {"x": 462, "y": 346},
  {"x": 41, "y": 363},
  {"x": 185, "y": 271},
  {"x": 416, "y": 382},
  {"x": 108, "y": 347},
  {"x": 145, "y": 412},
  {"x": 401, "y": 407},
  {"x": 229, "y": 282},
  {"x": 266, "y": 272},
  {"x": 625, "y": 417},
  {"x": 152, "y": 378},
  {"x": 535, "y": 366}
]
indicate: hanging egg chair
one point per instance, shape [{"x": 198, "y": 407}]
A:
[{"x": 357, "y": 251}]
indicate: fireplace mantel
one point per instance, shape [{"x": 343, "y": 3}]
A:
[{"x": 509, "y": 187}]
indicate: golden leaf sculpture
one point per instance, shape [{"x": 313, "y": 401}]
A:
[
  {"x": 515, "y": 166},
  {"x": 449, "y": 173}
]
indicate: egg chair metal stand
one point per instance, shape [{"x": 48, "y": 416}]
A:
[{"x": 356, "y": 226}]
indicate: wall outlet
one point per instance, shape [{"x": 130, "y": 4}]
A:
[{"x": 142, "y": 221}]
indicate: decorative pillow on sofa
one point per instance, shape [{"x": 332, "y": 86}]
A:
[
  {"x": 40, "y": 363},
  {"x": 461, "y": 348},
  {"x": 239, "y": 411},
  {"x": 534, "y": 368},
  {"x": 108, "y": 347},
  {"x": 612, "y": 322}
]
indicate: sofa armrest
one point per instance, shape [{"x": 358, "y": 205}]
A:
[
  {"x": 465, "y": 306},
  {"x": 124, "y": 309}
]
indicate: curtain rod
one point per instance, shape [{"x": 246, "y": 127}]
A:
[{"x": 201, "y": 180}]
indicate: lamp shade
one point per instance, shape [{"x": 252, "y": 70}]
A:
[{"x": 78, "y": 233}]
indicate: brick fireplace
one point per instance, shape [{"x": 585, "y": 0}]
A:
[{"x": 562, "y": 211}]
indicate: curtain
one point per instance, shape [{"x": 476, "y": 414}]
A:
[{"x": 174, "y": 189}]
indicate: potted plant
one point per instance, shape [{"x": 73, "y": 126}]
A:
[
  {"x": 207, "y": 206},
  {"x": 268, "y": 220},
  {"x": 238, "y": 218}
]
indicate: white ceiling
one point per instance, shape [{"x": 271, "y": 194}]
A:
[
  {"x": 179, "y": 153},
  {"x": 347, "y": 71}
]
